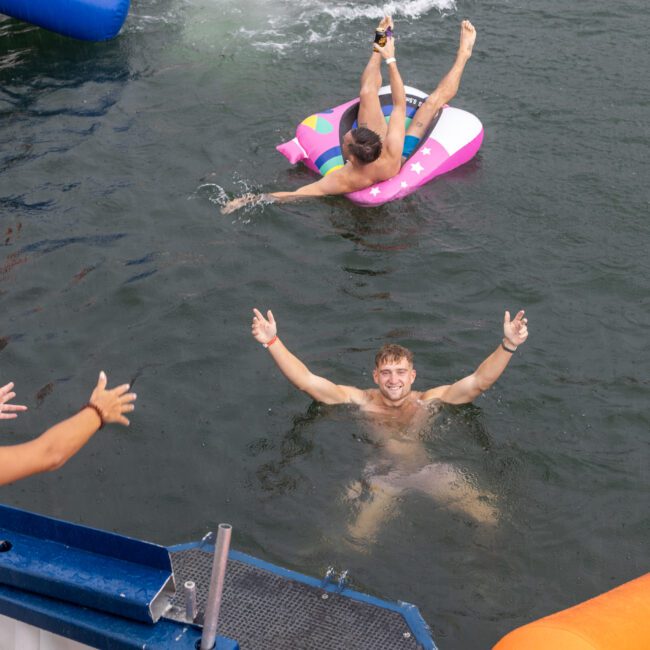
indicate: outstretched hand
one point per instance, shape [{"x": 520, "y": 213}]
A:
[
  {"x": 388, "y": 50},
  {"x": 263, "y": 329},
  {"x": 247, "y": 199},
  {"x": 112, "y": 403},
  {"x": 9, "y": 411},
  {"x": 235, "y": 204},
  {"x": 515, "y": 331}
]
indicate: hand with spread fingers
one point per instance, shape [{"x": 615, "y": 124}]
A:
[
  {"x": 515, "y": 331},
  {"x": 9, "y": 411},
  {"x": 54, "y": 447},
  {"x": 263, "y": 329},
  {"x": 112, "y": 403}
]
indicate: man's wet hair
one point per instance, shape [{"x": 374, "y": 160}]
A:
[
  {"x": 366, "y": 145},
  {"x": 391, "y": 353}
]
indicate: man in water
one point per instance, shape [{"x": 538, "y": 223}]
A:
[
  {"x": 374, "y": 150},
  {"x": 399, "y": 413}
]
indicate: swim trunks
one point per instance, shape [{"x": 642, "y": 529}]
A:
[{"x": 410, "y": 143}]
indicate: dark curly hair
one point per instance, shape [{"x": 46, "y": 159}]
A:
[{"x": 366, "y": 145}]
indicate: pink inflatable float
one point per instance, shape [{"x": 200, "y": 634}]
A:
[{"x": 453, "y": 139}]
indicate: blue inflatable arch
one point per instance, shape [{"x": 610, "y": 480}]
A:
[{"x": 89, "y": 20}]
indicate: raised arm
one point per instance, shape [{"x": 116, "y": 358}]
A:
[
  {"x": 515, "y": 332},
  {"x": 265, "y": 331},
  {"x": 62, "y": 441},
  {"x": 394, "y": 141}
]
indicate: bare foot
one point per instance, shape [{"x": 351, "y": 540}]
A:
[{"x": 467, "y": 38}]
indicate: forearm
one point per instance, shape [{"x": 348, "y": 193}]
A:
[
  {"x": 492, "y": 368},
  {"x": 292, "y": 367},
  {"x": 50, "y": 450},
  {"x": 62, "y": 441},
  {"x": 396, "y": 86},
  {"x": 283, "y": 197}
]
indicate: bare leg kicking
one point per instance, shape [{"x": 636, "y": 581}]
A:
[
  {"x": 370, "y": 113},
  {"x": 448, "y": 87}
]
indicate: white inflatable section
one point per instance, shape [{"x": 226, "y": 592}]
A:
[
  {"x": 455, "y": 129},
  {"x": 409, "y": 90},
  {"x": 15, "y": 635}
]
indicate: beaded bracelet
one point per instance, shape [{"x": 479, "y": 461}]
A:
[{"x": 97, "y": 410}]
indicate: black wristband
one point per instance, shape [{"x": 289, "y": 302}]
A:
[{"x": 507, "y": 349}]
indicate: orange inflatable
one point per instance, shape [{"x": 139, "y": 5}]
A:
[{"x": 617, "y": 620}]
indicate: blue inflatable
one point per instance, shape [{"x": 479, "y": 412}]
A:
[{"x": 89, "y": 20}]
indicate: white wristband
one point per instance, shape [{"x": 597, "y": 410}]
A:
[{"x": 391, "y": 59}]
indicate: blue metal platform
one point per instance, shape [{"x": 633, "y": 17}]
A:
[{"x": 114, "y": 592}]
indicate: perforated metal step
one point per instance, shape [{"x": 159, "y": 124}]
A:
[{"x": 266, "y": 611}]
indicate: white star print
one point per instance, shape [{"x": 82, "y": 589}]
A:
[
  {"x": 374, "y": 191},
  {"x": 417, "y": 168},
  {"x": 426, "y": 151},
  {"x": 404, "y": 184}
]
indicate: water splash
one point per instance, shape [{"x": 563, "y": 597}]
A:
[
  {"x": 282, "y": 26},
  {"x": 406, "y": 9},
  {"x": 249, "y": 196}
]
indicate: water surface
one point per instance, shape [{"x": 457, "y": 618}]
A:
[{"x": 115, "y": 157}]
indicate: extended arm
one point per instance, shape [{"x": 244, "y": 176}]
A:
[
  {"x": 265, "y": 331},
  {"x": 62, "y": 441},
  {"x": 333, "y": 183},
  {"x": 394, "y": 141},
  {"x": 466, "y": 390}
]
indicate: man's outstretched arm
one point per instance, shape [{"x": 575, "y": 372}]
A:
[
  {"x": 333, "y": 183},
  {"x": 265, "y": 331},
  {"x": 515, "y": 332},
  {"x": 62, "y": 441}
]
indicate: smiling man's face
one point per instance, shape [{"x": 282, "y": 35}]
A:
[{"x": 394, "y": 378}]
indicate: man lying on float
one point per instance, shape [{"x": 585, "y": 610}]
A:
[{"x": 375, "y": 151}]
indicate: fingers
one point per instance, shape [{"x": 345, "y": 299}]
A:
[
  {"x": 120, "y": 390},
  {"x": 8, "y": 408},
  {"x": 102, "y": 381},
  {"x": 123, "y": 421},
  {"x": 269, "y": 315},
  {"x": 7, "y": 398},
  {"x": 258, "y": 314},
  {"x": 6, "y": 388},
  {"x": 506, "y": 317}
]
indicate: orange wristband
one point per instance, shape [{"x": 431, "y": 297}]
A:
[{"x": 268, "y": 344}]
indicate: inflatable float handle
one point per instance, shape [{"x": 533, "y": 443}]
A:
[{"x": 292, "y": 150}]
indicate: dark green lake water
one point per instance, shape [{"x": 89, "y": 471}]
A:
[{"x": 114, "y": 159}]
